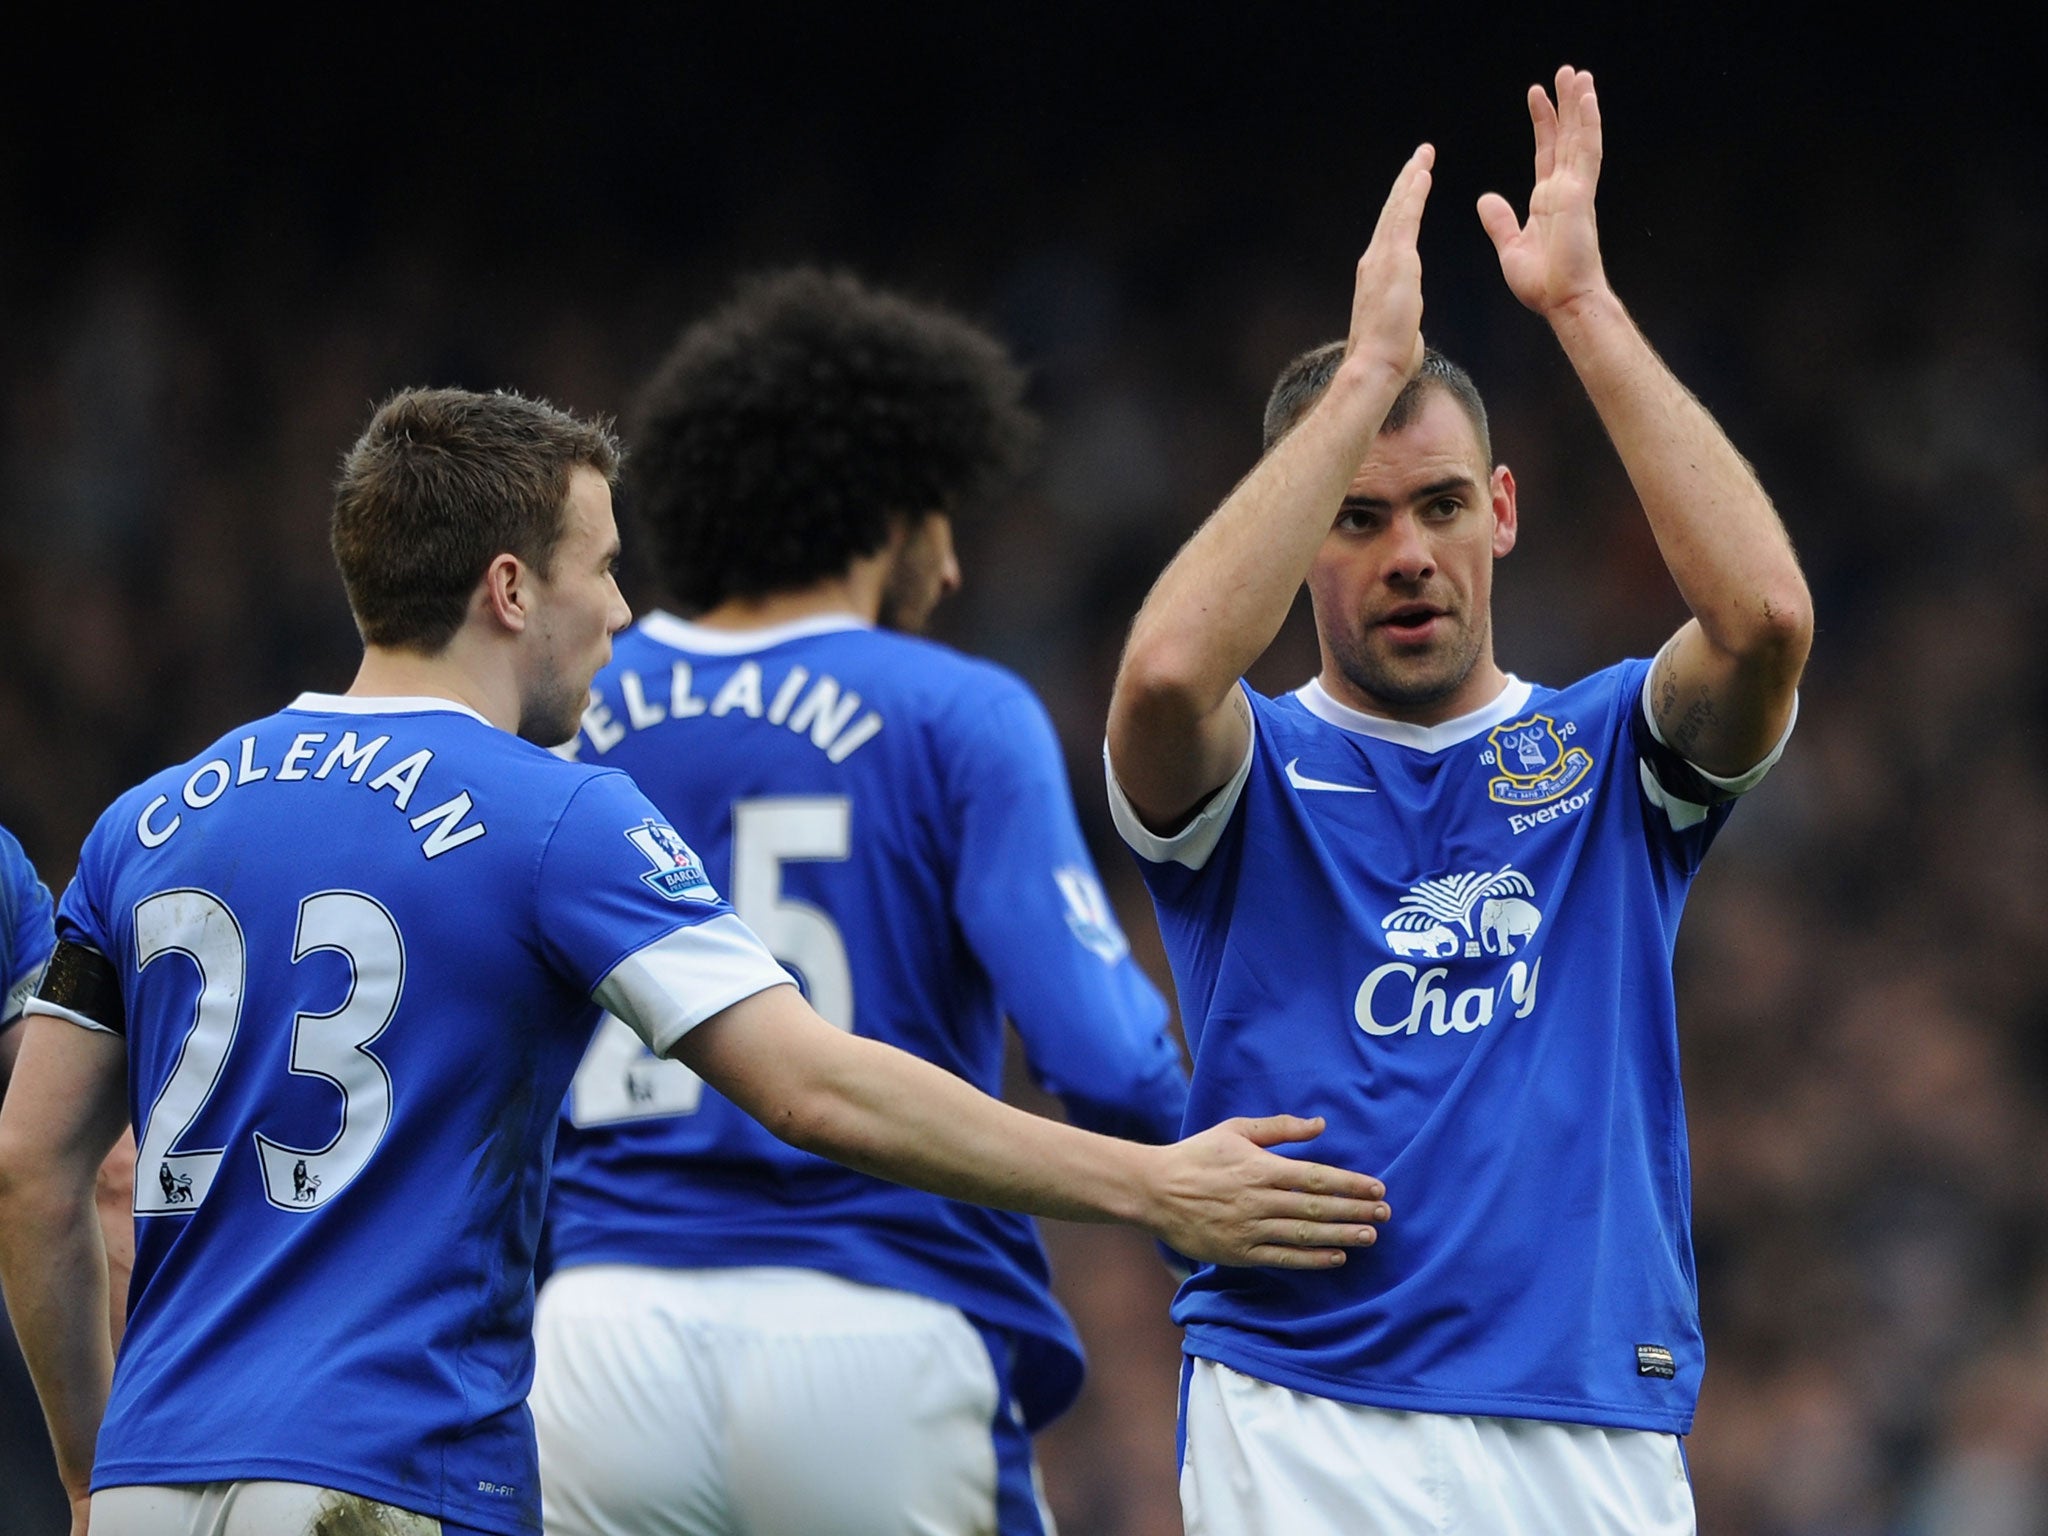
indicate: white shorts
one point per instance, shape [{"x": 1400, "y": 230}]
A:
[
  {"x": 250, "y": 1509},
  {"x": 1262, "y": 1460},
  {"x": 710, "y": 1402}
]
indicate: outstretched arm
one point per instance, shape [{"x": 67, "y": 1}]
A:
[
  {"x": 1722, "y": 689},
  {"x": 63, "y": 1111},
  {"x": 1218, "y": 1197},
  {"x": 1177, "y": 724},
  {"x": 115, "y": 1196}
]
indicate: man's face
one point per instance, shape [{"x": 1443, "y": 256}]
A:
[
  {"x": 576, "y": 609},
  {"x": 925, "y": 571},
  {"x": 1403, "y": 584}
]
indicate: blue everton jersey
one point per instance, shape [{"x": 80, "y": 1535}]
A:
[
  {"x": 26, "y": 937},
  {"x": 1455, "y": 943},
  {"x": 361, "y": 947},
  {"x": 894, "y": 820}
]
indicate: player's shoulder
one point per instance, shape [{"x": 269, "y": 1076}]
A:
[
  {"x": 440, "y": 765},
  {"x": 1609, "y": 688},
  {"x": 321, "y": 736},
  {"x": 16, "y": 873},
  {"x": 955, "y": 677},
  {"x": 884, "y": 659},
  {"x": 1285, "y": 710},
  {"x": 972, "y": 708},
  {"x": 23, "y": 897},
  {"x": 1300, "y": 714}
]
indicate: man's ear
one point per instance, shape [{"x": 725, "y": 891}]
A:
[
  {"x": 505, "y": 593},
  {"x": 1502, "y": 490}
]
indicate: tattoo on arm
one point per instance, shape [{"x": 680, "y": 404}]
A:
[
  {"x": 1700, "y": 718},
  {"x": 1682, "y": 726}
]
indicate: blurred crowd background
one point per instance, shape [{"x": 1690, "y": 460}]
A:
[{"x": 216, "y": 251}]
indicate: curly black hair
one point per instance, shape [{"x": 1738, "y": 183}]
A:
[{"x": 789, "y": 430}]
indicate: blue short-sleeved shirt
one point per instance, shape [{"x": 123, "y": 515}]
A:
[{"x": 1455, "y": 943}]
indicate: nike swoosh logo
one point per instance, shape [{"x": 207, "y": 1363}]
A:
[{"x": 1301, "y": 780}]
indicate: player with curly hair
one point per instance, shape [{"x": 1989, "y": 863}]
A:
[{"x": 740, "y": 1336}]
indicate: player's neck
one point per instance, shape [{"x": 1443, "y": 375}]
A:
[
  {"x": 1482, "y": 685},
  {"x": 399, "y": 674},
  {"x": 857, "y": 590}
]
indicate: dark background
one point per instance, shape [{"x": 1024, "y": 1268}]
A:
[{"x": 218, "y": 245}]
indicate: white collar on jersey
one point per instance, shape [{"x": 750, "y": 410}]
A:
[
  {"x": 706, "y": 641},
  {"x": 1426, "y": 738},
  {"x": 342, "y": 704}
]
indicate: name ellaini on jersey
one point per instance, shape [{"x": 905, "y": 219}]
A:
[
  {"x": 216, "y": 776},
  {"x": 817, "y": 707},
  {"x": 1470, "y": 916}
]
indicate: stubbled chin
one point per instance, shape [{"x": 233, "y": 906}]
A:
[{"x": 1408, "y": 676}]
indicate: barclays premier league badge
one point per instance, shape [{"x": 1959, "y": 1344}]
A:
[{"x": 677, "y": 874}]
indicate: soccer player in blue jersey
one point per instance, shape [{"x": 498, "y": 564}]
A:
[
  {"x": 893, "y": 819},
  {"x": 1437, "y": 904},
  {"x": 339, "y": 969}
]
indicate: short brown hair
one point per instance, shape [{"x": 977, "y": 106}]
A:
[
  {"x": 1303, "y": 380},
  {"x": 440, "y": 484}
]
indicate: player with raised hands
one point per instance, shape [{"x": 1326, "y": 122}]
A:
[{"x": 1435, "y": 904}]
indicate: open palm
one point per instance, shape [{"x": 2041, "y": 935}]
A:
[{"x": 1553, "y": 260}]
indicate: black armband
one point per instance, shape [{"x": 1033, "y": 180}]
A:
[
  {"x": 80, "y": 981},
  {"x": 1674, "y": 775}
]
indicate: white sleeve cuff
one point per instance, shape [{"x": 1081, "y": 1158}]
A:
[
  {"x": 669, "y": 987},
  {"x": 55, "y": 1011},
  {"x": 1193, "y": 843}
]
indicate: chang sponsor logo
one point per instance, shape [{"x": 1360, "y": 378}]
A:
[
  {"x": 1398, "y": 999},
  {"x": 1470, "y": 916}
]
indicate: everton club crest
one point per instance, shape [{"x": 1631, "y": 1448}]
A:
[{"x": 1533, "y": 761}]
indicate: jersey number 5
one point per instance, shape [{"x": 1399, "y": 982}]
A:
[
  {"x": 332, "y": 1045},
  {"x": 619, "y": 1078}
]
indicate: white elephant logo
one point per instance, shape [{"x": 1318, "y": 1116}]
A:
[
  {"x": 1503, "y": 920},
  {"x": 1478, "y": 912},
  {"x": 1435, "y": 942}
]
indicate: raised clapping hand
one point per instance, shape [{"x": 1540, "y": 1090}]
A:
[
  {"x": 1386, "y": 300},
  {"x": 1553, "y": 261},
  {"x": 1224, "y": 1199}
]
